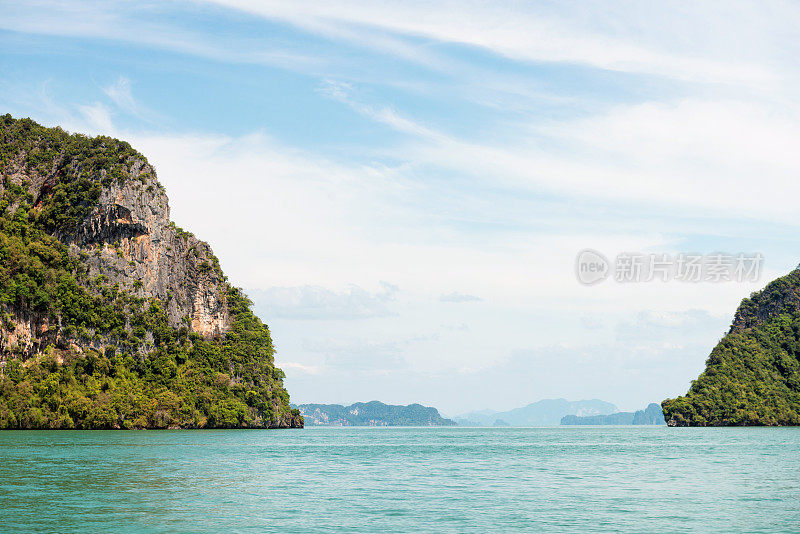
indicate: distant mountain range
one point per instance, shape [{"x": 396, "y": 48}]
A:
[
  {"x": 652, "y": 415},
  {"x": 547, "y": 412},
  {"x": 372, "y": 413}
]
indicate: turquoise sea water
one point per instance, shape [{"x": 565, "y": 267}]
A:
[{"x": 585, "y": 479}]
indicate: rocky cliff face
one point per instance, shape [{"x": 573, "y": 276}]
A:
[
  {"x": 752, "y": 376},
  {"x": 780, "y": 296},
  {"x": 128, "y": 238},
  {"x": 111, "y": 316}
]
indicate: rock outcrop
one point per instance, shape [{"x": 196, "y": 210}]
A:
[
  {"x": 783, "y": 296},
  {"x": 752, "y": 376},
  {"x": 128, "y": 238},
  {"x": 111, "y": 315}
]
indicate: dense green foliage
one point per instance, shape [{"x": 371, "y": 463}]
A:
[
  {"x": 186, "y": 381},
  {"x": 110, "y": 359},
  {"x": 752, "y": 376},
  {"x": 82, "y": 164},
  {"x": 38, "y": 274},
  {"x": 780, "y": 296}
]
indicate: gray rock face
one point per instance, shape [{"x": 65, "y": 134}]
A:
[
  {"x": 779, "y": 296},
  {"x": 129, "y": 238},
  {"x": 31, "y": 332}
]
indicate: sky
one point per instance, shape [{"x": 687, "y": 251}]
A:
[{"x": 403, "y": 188}]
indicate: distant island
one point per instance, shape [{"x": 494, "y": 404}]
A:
[
  {"x": 372, "y": 413},
  {"x": 547, "y": 412},
  {"x": 652, "y": 415},
  {"x": 752, "y": 377}
]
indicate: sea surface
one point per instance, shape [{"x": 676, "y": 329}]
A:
[{"x": 574, "y": 479}]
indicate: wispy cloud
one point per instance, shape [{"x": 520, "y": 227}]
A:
[
  {"x": 594, "y": 33},
  {"x": 120, "y": 93},
  {"x": 661, "y": 154},
  {"x": 343, "y": 92},
  {"x": 459, "y": 297},
  {"x": 97, "y": 117},
  {"x": 301, "y": 368},
  {"x": 142, "y": 24},
  {"x": 362, "y": 356},
  {"x": 314, "y": 302}
]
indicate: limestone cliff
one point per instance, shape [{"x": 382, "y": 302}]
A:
[
  {"x": 94, "y": 264},
  {"x": 128, "y": 237},
  {"x": 752, "y": 376}
]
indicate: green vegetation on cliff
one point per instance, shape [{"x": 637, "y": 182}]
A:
[
  {"x": 104, "y": 357},
  {"x": 752, "y": 377},
  {"x": 82, "y": 165}
]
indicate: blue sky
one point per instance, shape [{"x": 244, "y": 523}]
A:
[{"x": 403, "y": 186}]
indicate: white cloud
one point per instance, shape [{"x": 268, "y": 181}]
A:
[
  {"x": 97, "y": 117},
  {"x": 592, "y": 323},
  {"x": 120, "y": 93},
  {"x": 314, "y": 302},
  {"x": 143, "y": 24},
  {"x": 350, "y": 355},
  {"x": 751, "y": 47},
  {"x": 459, "y": 297},
  {"x": 666, "y": 154},
  {"x": 675, "y": 153},
  {"x": 299, "y": 367},
  {"x": 670, "y": 328},
  {"x": 652, "y": 39}
]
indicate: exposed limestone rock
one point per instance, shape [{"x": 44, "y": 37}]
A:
[
  {"x": 129, "y": 238},
  {"x": 110, "y": 315}
]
